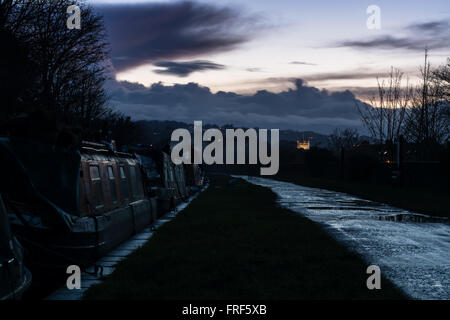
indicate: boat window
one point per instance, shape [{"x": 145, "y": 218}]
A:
[
  {"x": 95, "y": 172},
  {"x": 124, "y": 183},
  {"x": 97, "y": 193},
  {"x": 110, "y": 172},
  {"x": 112, "y": 184},
  {"x": 133, "y": 178},
  {"x": 171, "y": 174},
  {"x": 122, "y": 173},
  {"x": 139, "y": 181}
]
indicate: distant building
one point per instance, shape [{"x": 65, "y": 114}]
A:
[{"x": 305, "y": 145}]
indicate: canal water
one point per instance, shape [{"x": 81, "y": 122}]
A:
[{"x": 412, "y": 250}]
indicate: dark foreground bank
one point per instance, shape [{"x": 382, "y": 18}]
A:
[{"x": 234, "y": 242}]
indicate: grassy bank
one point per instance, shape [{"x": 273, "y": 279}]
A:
[
  {"x": 422, "y": 200},
  {"x": 234, "y": 242}
]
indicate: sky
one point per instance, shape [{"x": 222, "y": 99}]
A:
[{"x": 261, "y": 48}]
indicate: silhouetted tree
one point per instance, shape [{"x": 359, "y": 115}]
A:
[
  {"x": 17, "y": 79},
  {"x": 427, "y": 119},
  {"x": 62, "y": 71},
  {"x": 347, "y": 139},
  {"x": 384, "y": 117},
  {"x": 441, "y": 76}
]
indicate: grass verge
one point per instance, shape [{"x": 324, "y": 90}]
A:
[{"x": 234, "y": 242}]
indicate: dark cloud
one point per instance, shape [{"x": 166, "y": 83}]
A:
[
  {"x": 149, "y": 32},
  {"x": 253, "y": 69},
  {"x": 390, "y": 42},
  {"x": 303, "y": 63},
  {"x": 303, "y": 108},
  {"x": 431, "y": 35},
  {"x": 431, "y": 27},
  {"x": 183, "y": 69}
]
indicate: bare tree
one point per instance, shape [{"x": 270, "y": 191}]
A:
[
  {"x": 441, "y": 76},
  {"x": 385, "y": 114},
  {"x": 66, "y": 58},
  {"x": 68, "y": 66},
  {"x": 14, "y": 14},
  {"x": 347, "y": 139},
  {"x": 427, "y": 119},
  {"x": 17, "y": 76}
]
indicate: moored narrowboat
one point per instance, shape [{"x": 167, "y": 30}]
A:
[
  {"x": 71, "y": 206},
  {"x": 167, "y": 180},
  {"x": 195, "y": 177}
]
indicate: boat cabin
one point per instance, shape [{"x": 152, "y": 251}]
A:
[{"x": 108, "y": 181}]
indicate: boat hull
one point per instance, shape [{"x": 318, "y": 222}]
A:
[{"x": 91, "y": 237}]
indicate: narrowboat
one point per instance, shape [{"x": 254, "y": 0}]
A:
[
  {"x": 72, "y": 205},
  {"x": 195, "y": 177},
  {"x": 15, "y": 278},
  {"x": 173, "y": 180},
  {"x": 167, "y": 180}
]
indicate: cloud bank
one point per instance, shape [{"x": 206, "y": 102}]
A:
[{"x": 302, "y": 108}]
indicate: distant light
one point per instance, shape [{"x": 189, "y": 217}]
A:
[{"x": 304, "y": 145}]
